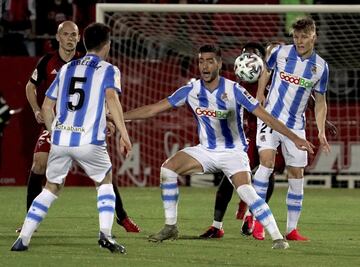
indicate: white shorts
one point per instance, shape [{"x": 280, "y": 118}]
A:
[
  {"x": 230, "y": 161},
  {"x": 94, "y": 160},
  {"x": 266, "y": 138}
]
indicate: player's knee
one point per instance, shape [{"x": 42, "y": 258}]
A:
[
  {"x": 294, "y": 172},
  {"x": 167, "y": 174},
  {"x": 169, "y": 165},
  {"x": 268, "y": 163}
]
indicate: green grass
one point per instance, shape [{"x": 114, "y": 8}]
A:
[{"x": 68, "y": 235}]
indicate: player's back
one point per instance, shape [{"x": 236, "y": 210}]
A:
[{"x": 80, "y": 109}]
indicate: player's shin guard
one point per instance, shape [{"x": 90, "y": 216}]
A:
[
  {"x": 294, "y": 200},
  {"x": 106, "y": 207},
  {"x": 260, "y": 210},
  {"x": 37, "y": 212},
  {"x": 169, "y": 194},
  {"x": 261, "y": 180}
]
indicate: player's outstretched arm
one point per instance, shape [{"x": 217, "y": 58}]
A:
[
  {"x": 277, "y": 125},
  {"x": 47, "y": 111},
  {"x": 115, "y": 108},
  {"x": 148, "y": 111},
  {"x": 320, "y": 116},
  {"x": 32, "y": 99}
]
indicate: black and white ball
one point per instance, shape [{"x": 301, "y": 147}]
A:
[{"x": 248, "y": 67}]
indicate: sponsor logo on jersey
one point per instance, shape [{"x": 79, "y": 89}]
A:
[
  {"x": 219, "y": 114},
  {"x": 70, "y": 128},
  {"x": 300, "y": 81}
]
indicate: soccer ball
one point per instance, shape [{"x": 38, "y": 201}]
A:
[{"x": 248, "y": 67}]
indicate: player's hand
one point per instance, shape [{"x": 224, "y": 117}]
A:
[
  {"x": 261, "y": 98},
  {"x": 110, "y": 128},
  {"x": 324, "y": 143},
  {"x": 329, "y": 126},
  {"x": 39, "y": 118},
  {"x": 125, "y": 146},
  {"x": 303, "y": 144}
]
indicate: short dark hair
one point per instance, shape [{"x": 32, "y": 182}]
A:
[
  {"x": 96, "y": 35},
  {"x": 257, "y": 48},
  {"x": 210, "y": 48},
  {"x": 306, "y": 24}
]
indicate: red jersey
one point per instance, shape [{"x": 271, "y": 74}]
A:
[
  {"x": 45, "y": 72},
  {"x": 42, "y": 77}
]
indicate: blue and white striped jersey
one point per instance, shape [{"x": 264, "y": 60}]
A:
[
  {"x": 79, "y": 91},
  {"x": 219, "y": 114},
  {"x": 293, "y": 81}
]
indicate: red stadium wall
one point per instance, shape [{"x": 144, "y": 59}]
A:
[{"x": 169, "y": 133}]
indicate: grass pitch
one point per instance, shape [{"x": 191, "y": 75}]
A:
[{"x": 68, "y": 235}]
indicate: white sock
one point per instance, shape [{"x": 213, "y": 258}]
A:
[
  {"x": 106, "y": 207},
  {"x": 294, "y": 200},
  {"x": 169, "y": 194},
  {"x": 261, "y": 180},
  {"x": 37, "y": 212},
  {"x": 217, "y": 224},
  {"x": 260, "y": 210}
]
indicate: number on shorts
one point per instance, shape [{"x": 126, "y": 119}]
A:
[
  {"x": 73, "y": 90},
  {"x": 263, "y": 128}
]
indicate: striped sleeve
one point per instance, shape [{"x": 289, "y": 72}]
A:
[
  {"x": 271, "y": 61},
  {"x": 179, "y": 97},
  {"x": 244, "y": 98},
  {"x": 321, "y": 86},
  {"x": 112, "y": 78}
]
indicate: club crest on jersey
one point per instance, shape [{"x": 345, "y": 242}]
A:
[
  {"x": 219, "y": 114},
  {"x": 313, "y": 70},
  {"x": 263, "y": 138},
  {"x": 54, "y": 71},
  {"x": 224, "y": 97},
  {"x": 300, "y": 81}
]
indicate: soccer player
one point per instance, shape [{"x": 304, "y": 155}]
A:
[
  {"x": 41, "y": 78},
  {"x": 298, "y": 71},
  {"x": 225, "y": 189},
  {"x": 80, "y": 91},
  {"x": 217, "y": 104}
]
